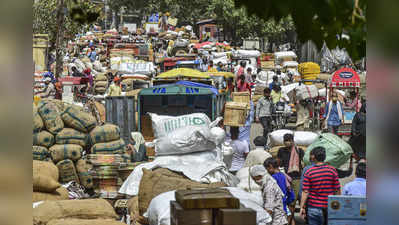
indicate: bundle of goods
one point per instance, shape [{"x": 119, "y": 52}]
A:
[
  {"x": 160, "y": 181},
  {"x": 100, "y": 83},
  {"x": 74, "y": 212},
  {"x": 220, "y": 206},
  {"x": 309, "y": 71},
  {"x": 306, "y": 91},
  {"x": 104, "y": 170},
  {"x": 246, "y": 53},
  {"x": 338, "y": 151},
  {"x": 302, "y": 139},
  {"x": 182, "y": 134}
]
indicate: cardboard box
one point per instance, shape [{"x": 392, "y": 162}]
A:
[
  {"x": 346, "y": 222},
  {"x": 180, "y": 216},
  {"x": 235, "y": 114},
  {"x": 235, "y": 217},
  {"x": 206, "y": 198},
  {"x": 347, "y": 207}
]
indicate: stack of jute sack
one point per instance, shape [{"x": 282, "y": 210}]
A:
[
  {"x": 309, "y": 71},
  {"x": 105, "y": 158},
  {"x": 100, "y": 83},
  {"x": 60, "y": 136},
  {"x": 75, "y": 212}
]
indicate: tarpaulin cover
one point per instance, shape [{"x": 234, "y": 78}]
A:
[
  {"x": 184, "y": 72},
  {"x": 194, "y": 84},
  {"x": 201, "y": 167}
]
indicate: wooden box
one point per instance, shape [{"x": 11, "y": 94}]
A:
[
  {"x": 235, "y": 217},
  {"x": 180, "y": 216},
  {"x": 208, "y": 198},
  {"x": 235, "y": 114},
  {"x": 244, "y": 97}
]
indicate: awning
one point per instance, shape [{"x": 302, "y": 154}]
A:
[{"x": 184, "y": 72}]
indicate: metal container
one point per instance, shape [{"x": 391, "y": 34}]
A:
[{"x": 120, "y": 110}]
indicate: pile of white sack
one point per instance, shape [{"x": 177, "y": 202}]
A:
[
  {"x": 301, "y": 138},
  {"x": 186, "y": 144}
]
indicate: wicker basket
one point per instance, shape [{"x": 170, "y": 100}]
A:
[{"x": 235, "y": 114}]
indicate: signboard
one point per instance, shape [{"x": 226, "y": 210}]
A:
[
  {"x": 346, "y": 75},
  {"x": 67, "y": 93}
]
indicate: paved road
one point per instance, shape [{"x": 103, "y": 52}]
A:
[{"x": 257, "y": 130}]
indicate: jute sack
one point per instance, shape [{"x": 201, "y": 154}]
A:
[
  {"x": 106, "y": 133},
  {"x": 78, "y": 120},
  {"x": 51, "y": 117},
  {"x": 40, "y": 153},
  {"x": 133, "y": 208},
  {"x": 37, "y": 120},
  {"x": 162, "y": 180},
  {"x": 84, "y": 222},
  {"x": 71, "y": 136},
  {"x": 71, "y": 209},
  {"x": 59, "y": 194},
  {"x": 86, "y": 180},
  {"x": 45, "y": 176},
  {"x": 101, "y": 84},
  {"x": 100, "y": 89},
  {"x": 113, "y": 147},
  {"x": 69, "y": 151},
  {"x": 100, "y": 77},
  {"x": 67, "y": 171},
  {"x": 43, "y": 138}
]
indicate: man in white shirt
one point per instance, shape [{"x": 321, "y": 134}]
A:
[{"x": 240, "y": 151}]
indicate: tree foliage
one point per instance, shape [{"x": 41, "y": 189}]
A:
[
  {"x": 319, "y": 20},
  {"x": 78, "y": 14}
]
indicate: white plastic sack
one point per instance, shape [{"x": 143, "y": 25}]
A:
[
  {"x": 246, "y": 181},
  {"x": 285, "y": 54},
  {"x": 246, "y": 53},
  {"x": 158, "y": 212},
  {"x": 306, "y": 91},
  {"x": 184, "y": 140},
  {"x": 227, "y": 152},
  {"x": 97, "y": 66},
  {"x": 305, "y": 138},
  {"x": 290, "y": 64},
  {"x": 80, "y": 65},
  {"x": 276, "y": 138},
  {"x": 162, "y": 125},
  {"x": 201, "y": 167}
]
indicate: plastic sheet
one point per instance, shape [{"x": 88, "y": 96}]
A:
[{"x": 201, "y": 167}]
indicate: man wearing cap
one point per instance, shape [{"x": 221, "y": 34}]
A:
[
  {"x": 49, "y": 91},
  {"x": 115, "y": 89}
]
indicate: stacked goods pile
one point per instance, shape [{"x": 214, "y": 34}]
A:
[
  {"x": 100, "y": 83},
  {"x": 309, "y": 71},
  {"x": 68, "y": 212},
  {"x": 302, "y": 139},
  {"x": 60, "y": 137},
  {"x": 306, "y": 91},
  {"x": 105, "y": 159},
  {"x": 128, "y": 84}
]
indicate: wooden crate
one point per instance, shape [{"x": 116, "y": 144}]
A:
[
  {"x": 180, "y": 216},
  {"x": 235, "y": 217},
  {"x": 207, "y": 198},
  {"x": 235, "y": 114}
]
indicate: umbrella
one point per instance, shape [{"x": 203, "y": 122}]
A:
[{"x": 184, "y": 72}]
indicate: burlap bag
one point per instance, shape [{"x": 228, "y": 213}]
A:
[
  {"x": 43, "y": 138},
  {"x": 84, "y": 222},
  {"x": 67, "y": 171},
  {"x": 37, "y": 120},
  {"x": 103, "y": 134},
  {"x": 86, "y": 180},
  {"x": 40, "y": 153},
  {"x": 59, "y": 194},
  {"x": 162, "y": 180},
  {"x": 100, "y": 77},
  {"x": 133, "y": 207},
  {"x": 71, "y": 209},
  {"x": 101, "y": 89},
  {"x": 78, "y": 120},
  {"x": 69, "y": 151},
  {"x": 71, "y": 136},
  {"x": 45, "y": 176},
  {"x": 113, "y": 147},
  {"x": 51, "y": 117},
  {"x": 101, "y": 84}
]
